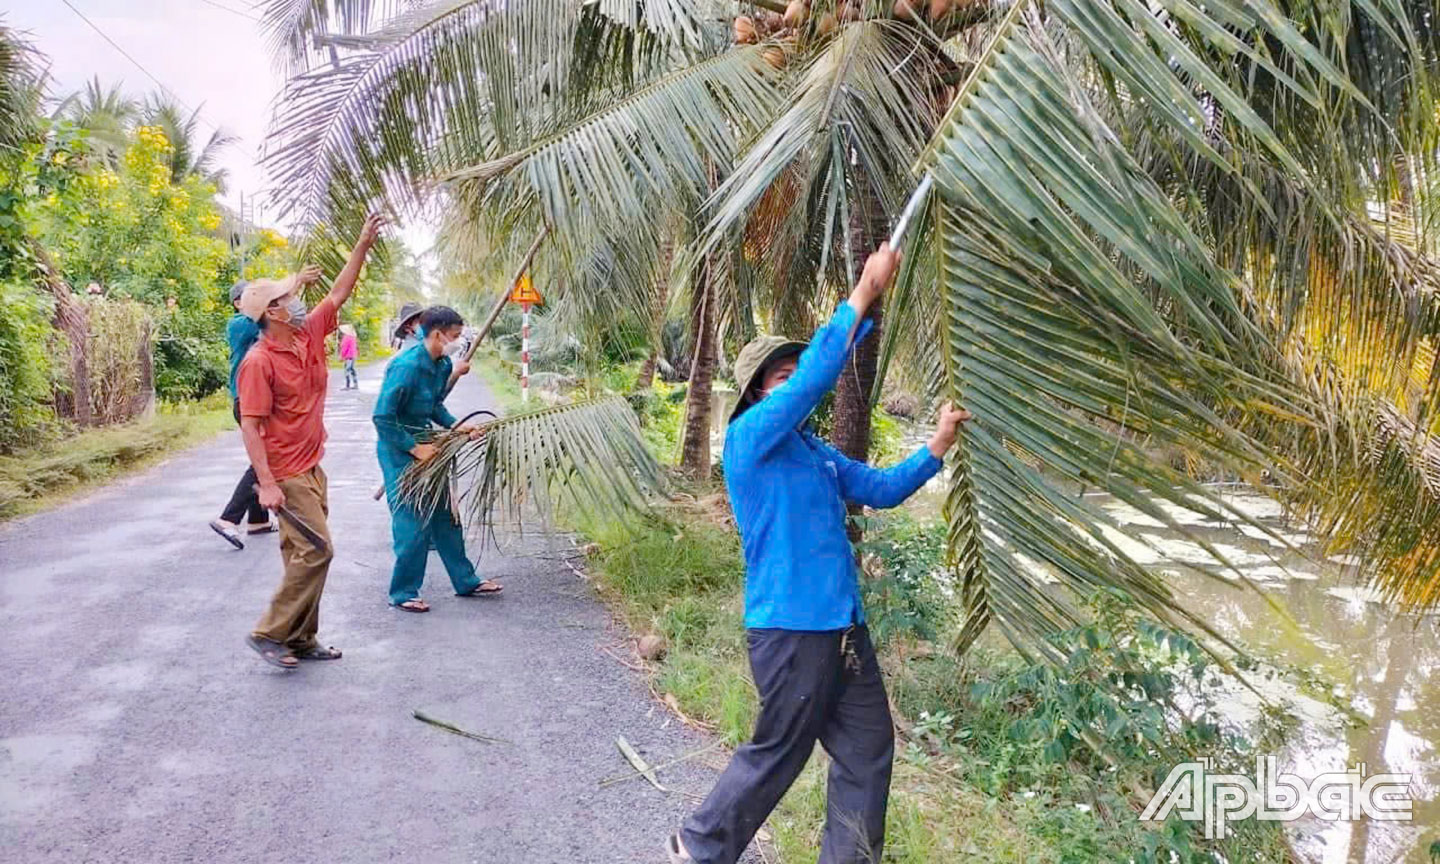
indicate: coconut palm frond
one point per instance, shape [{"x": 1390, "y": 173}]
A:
[
  {"x": 914, "y": 319},
  {"x": 20, "y": 83},
  {"x": 1050, "y": 245},
  {"x": 446, "y": 85},
  {"x": 859, "y": 117},
  {"x": 610, "y": 167},
  {"x": 300, "y": 30},
  {"x": 1375, "y": 495},
  {"x": 107, "y": 113},
  {"x": 188, "y": 155},
  {"x": 1070, "y": 276},
  {"x": 589, "y": 455}
]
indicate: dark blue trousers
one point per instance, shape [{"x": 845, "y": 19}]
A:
[{"x": 822, "y": 687}]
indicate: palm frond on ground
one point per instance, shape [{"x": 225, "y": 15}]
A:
[{"x": 587, "y": 455}]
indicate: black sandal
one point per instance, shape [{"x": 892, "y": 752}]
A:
[{"x": 272, "y": 652}]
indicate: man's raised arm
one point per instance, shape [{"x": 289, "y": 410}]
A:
[{"x": 345, "y": 283}]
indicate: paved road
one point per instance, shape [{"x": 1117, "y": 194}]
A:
[{"x": 136, "y": 726}]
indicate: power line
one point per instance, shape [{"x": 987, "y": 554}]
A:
[
  {"x": 254, "y": 18},
  {"x": 137, "y": 64}
]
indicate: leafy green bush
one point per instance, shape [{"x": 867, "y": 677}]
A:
[
  {"x": 661, "y": 411},
  {"x": 902, "y": 595},
  {"x": 1073, "y": 745},
  {"x": 25, "y": 386}
]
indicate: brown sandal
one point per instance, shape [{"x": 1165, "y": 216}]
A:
[
  {"x": 320, "y": 652},
  {"x": 414, "y": 604},
  {"x": 482, "y": 591},
  {"x": 272, "y": 652}
]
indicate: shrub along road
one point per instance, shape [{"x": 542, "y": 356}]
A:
[{"x": 137, "y": 726}]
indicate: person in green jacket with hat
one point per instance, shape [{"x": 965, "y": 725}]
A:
[{"x": 411, "y": 402}]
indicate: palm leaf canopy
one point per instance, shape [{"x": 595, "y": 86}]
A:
[
  {"x": 1159, "y": 225},
  {"x": 1085, "y": 309}
]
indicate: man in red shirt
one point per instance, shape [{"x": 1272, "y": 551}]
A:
[{"x": 281, "y": 385}]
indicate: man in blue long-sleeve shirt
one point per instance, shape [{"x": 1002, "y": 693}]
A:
[
  {"x": 412, "y": 398},
  {"x": 810, "y": 651}
]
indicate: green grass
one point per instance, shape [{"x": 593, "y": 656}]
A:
[
  {"x": 43, "y": 476},
  {"x": 501, "y": 377}
]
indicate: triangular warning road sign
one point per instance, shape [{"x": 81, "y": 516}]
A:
[{"x": 524, "y": 292}]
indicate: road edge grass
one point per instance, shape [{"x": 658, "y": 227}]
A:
[{"x": 43, "y": 477}]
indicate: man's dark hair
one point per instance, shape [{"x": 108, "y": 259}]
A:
[{"x": 440, "y": 318}]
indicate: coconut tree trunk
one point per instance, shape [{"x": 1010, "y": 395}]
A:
[
  {"x": 851, "y": 431},
  {"x": 851, "y": 434},
  {"x": 646, "y": 376},
  {"x": 695, "y": 446},
  {"x": 659, "y": 296}
]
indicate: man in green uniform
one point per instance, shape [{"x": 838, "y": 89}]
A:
[{"x": 411, "y": 399}]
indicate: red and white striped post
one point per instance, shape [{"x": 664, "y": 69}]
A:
[{"x": 525, "y": 352}]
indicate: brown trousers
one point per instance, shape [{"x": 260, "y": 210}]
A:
[{"x": 294, "y": 614}]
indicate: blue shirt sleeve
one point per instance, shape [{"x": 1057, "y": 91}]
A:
[
  {"x": 765, "y": 424},
  {"x": 441, "y": 414},
  {"x": 879, "y": 487},
  {"x": 394, "y": 392}
]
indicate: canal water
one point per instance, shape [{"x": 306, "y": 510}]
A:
[{"x": 1311, "y": 613}]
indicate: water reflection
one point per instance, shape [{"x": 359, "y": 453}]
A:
[{"x": 1385, "y": 662}]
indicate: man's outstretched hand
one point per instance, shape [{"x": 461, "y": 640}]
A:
[
  {"x": 947, "y": 426},
  {"x": 370, "y": 232}
]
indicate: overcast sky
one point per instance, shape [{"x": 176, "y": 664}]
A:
[{"x": 209, "y": 58}]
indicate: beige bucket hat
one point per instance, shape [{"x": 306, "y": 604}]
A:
[{"x": 260, "y": 292}]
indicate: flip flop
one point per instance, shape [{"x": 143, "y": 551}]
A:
[
  {"x": 414, "y": 605},
  {"x": 228, "y": 532},
  {"x": 676, "y": 852},
  {"x": 263, "y": 528},
  {"x": 272, "y": 652},
  {"x": 319, "y": 652},
  {"x": 481, "y": 591}
]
